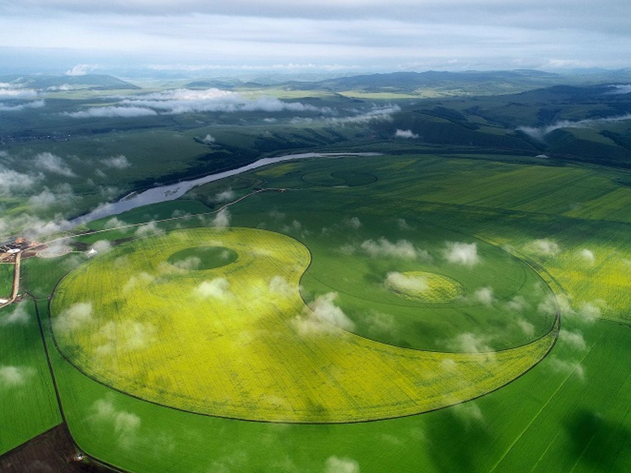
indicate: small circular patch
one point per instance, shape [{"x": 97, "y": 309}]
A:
[
  {"x": 427, "y": 287},
  {"x": 203, "y": 257}
]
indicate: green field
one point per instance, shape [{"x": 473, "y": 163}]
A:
[
  {"x": 6, "y": 280},
  {"x": 476, "y": 260},
  {"x": 29, "y": 406}
]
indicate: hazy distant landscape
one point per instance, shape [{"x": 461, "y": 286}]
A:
[{"x": 324, "y": 252}]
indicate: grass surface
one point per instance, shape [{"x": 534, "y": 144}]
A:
[
  {"x": 28, "y": 404},
  {"x": 6, "y": 280}
]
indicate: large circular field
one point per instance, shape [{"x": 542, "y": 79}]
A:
[{"x": 213, "y": 322}]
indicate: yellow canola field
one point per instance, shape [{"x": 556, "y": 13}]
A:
[{"x": 238, "y": 341}]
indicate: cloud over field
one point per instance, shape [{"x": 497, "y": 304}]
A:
[
  {"x": 574, "y": 339},
  {"x": 406, "y": 283},
  {"x": 15, "y": 376},
  {"x": 218, "y": 288},
  {"x": 187, "y": 264},
  {"x": 222, "y": 220},
  {"x": 280, "y": 285},
  {"x": 471, "y": 343},
  {"x": 149, "y": 229},
  {"x": 543, "y": 247},
  {"x": 53, "y": 164},
  {"x": 62, "y": 197},
  {"x": 77, "y": 316},
  {"x": 586, "y": 311},
  {"x": 208, "y": 139},
  {"x": 124, "y": 424},
  {"x": 13, "y": 181},
  {"x": 403, "y": 249},
  {"x": 405, "y": 134},
  {"x": 565, "y": 367},
  {"x": 465, "y": 254},
  {"x": 225, "y": 196},
  {"x": 341, "y": 465},
  {"x": 123, "y": 336},
  {"x": 587, "y": 256},
  {"x": 22, "y": 106},
  {"x": 484, "y": 296},
  {"x": 468, "y": 413},
  {"x": 322, "y": 317},
  {"x": 18, "y": 316},
  {"x": 116, "y": 162}
]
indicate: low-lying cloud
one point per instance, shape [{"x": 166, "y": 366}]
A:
[
  {"x": 539, "y": 133},
  {"x": 465, "y": 254},
  {"x": 124, "y": 424},
  {"x": 77, "y": 316},
  {"x": 116, "y": 162},
  {"x": 403, "y": 249},
  {"x": 53, "y": 164},
  {"x": 341, "y": 465},
  {"x": 15, "y": 376},
  {"x": 218, "y": 288},
  {"x": 543, "y": 247},
  {"x": 407, "y": 283},
  {"x": 408, "y": 134},
  {"x": 18, "y": 316},
  {"x": 322, "y": 317}
]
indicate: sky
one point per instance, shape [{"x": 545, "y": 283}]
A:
[{"x": 201, "y": 36}]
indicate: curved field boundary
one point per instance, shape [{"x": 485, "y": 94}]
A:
[{"x": 370, "y": 369}]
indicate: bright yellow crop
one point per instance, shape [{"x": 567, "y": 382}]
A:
[{"x": 238, "y": 340}]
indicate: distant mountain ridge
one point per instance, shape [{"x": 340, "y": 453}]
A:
[{"x": 90, "y": 81}]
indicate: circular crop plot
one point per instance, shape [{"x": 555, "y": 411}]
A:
[
  {"x": 427, "y": 287},
  {"x": 238, "y": 340}
]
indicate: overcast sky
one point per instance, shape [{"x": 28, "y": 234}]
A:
[{"x": 309, "y": 35}]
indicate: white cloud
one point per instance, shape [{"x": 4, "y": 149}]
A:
[
  {"x": 540, "y": 133},
  {"x": 124, "y": 424},
  {"x": 117, "y": 162},
  {"x": 587, "y": 255},
  {"x": 112, "y": 111},
  {"x": 53, "y": 164},
  {"x": 566, "y": 367},
  {"x": 14, "y": 376},
  {"x": 81, "y": 69},
  {"x": 77, "y": 316},
  {"x": 573, "y": 338},
  {"x": 222, "y": 220},
  {"x": 12, "y": 181},
  {"x": 470, "y": 343},
  {"x": 405, "y": 134},
  {"x": 18, "y": 94},
  {"x": 149, "y": 229},
  {"x": 123, "y": 336},
  {"x": 341, "y": 465},
  {"x": 465, "y": 254},
  {"x": 469, "y": 413},
  {"x": 375, "y": 114},
  {"x": 19, "y": 315},
  {"x": 187, "y": 264},
  {"x": 484, "y": 295},
  {"x": 543, "y": 247},
  {"x": 403, "y": 249},
  {"x": 225, "y": 196},
  {"x": 517, "y": 304},
  {"x": 322, "y": 317},
  {"x": 280, "y": 285},
  {"x": 406, "y": 283},
  {"x": 218, "y": 288},
  {"x": 137, "y": 280},
  {"x": 526, "y": 327},
  {"x": 208, "y": 139},
  {"x": 62, "y": 197},
  {"x": 353, "y": 222},
  {"x": 17, "y": 108}
]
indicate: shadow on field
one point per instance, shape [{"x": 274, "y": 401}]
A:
[
  {"x": 457, "y": 440},
  {"x": 596, "y": 441}
]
